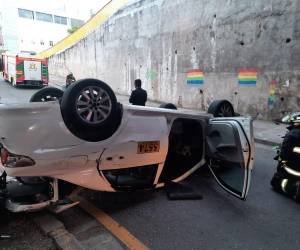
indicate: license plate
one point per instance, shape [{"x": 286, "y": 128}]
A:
[{"x": 148, "y": 147}]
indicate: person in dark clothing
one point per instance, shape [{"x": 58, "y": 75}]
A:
[
  {"x": 139, "y": 95},
  {"x": 70, "y": 79},
  {"x": 287, "y": 178}
]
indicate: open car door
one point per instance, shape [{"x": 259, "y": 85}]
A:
[{"x": 230, "y": 153}]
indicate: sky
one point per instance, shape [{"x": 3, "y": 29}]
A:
[
  {"x": 77, "y": 9},
  {"x": 80, "y": 9}
]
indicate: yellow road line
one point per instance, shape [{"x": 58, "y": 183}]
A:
[
  {"x": 109, "y": 223},
  {"x": 101, "y": 16}
]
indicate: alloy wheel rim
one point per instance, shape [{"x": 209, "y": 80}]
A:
[
  {"x": 225, "y": 111},
  {"x": 93, "y": 105}
]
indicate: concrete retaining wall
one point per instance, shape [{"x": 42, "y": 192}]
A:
[{"x": 160, "y": 41}]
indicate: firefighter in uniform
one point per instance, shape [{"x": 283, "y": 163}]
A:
[{"x": 287, "y": 178}]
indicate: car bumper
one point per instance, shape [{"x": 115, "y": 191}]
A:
[{"x": 32, "y": 83}]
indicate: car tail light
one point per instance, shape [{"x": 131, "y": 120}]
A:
[
  {"x": 4, "y": 156},
  {"x": 15, "y": 161}
]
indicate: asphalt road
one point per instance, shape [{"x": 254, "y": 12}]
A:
[
  {"x": 10, "y": 94},
  {"x": 22, "y": 233},
  {"x": 266, "y": 220}
]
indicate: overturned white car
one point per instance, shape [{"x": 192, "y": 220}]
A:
[{"x": 88, "y": 139}]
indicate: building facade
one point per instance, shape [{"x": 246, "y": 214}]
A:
[{"x": 29, "y": 28}]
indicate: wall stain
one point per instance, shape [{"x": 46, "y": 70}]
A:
[{"x": 151, "y": 75}]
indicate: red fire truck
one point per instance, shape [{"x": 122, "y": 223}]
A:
[{"x": 25, "y": 71}]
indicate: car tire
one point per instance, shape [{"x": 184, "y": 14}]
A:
[
  {"x": 90, "y": 110},
  {"x": 168, "y": 106},
  {"x": 47, "y": 94},
  {"x": 221, "y": 108}
]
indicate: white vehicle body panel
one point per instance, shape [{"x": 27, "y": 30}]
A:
[
  {"x": 11, "y": 66},
  {"x": 123, "y": 154},
  {"x": 32, "y": 70}
]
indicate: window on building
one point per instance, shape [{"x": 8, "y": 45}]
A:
[
  {"x": 60, "y": 20},
  {"x": 42, "y": 42},
  {"x": 76, "y": 22},
  {"x": 31, "y": 53},
  {"x": 51, "y": 43},
  {"x": 26, "y": 13},
  {"x": 44, "y": 17}
]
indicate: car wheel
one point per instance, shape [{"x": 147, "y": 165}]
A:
[
  {"x": 47, "y": 94},
  {"x": 168, "y": 106},
  {"x": 221, "y": 108},
  {"x": 90, "y": 110}
]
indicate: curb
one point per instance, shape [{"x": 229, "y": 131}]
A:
[
  {"x": 266, "y": 142},
  {"x": 55, "y": 229}
]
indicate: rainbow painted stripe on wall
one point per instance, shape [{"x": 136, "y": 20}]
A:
[
  {"x": 247, "y": 77},
  {"x": 194, "y": 77}
]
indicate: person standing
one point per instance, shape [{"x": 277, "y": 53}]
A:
[
  {"x": 70, "y": 79},
  {"x": 139, "y": 95}
]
